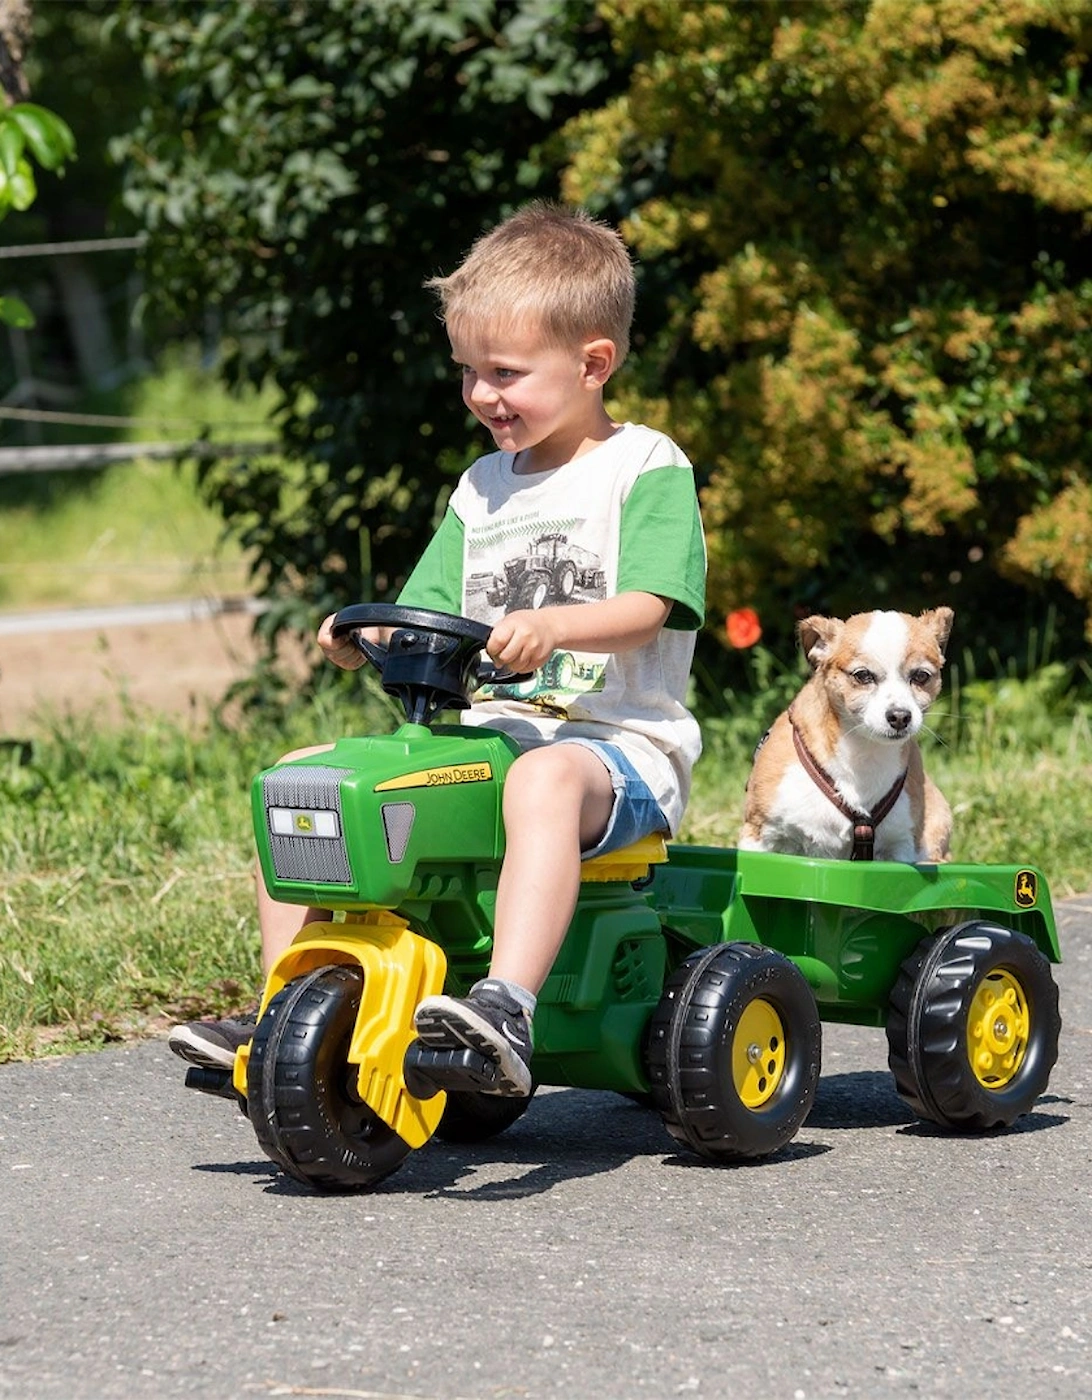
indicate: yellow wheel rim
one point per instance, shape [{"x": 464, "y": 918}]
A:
[
  {"x": 758, "y": 1053},
  {"x": 997, "y": 1029}
]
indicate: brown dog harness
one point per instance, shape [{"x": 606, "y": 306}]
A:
[{"x": 864, "y": 823}]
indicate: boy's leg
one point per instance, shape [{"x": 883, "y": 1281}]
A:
[
  {"x": 557, "y": 803},
  {"x": 212, "y": 1044},
  {"x": 278, "y": 924}
]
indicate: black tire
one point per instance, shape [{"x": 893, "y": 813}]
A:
[
  {"x": 534, "y": 592},
  {"x": 470, "y": 1117},
  {"x": 559, "y": 670},
  {"x": 953, "y": 1067},
  {"x": 565, "y": 581},
  {"x": 718, "y": 1005},
  {"x": 301, "y": 1094}
]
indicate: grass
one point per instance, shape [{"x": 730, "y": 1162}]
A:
[
  {"x": 136, "y": 531},
  {"x": 126, "y": 883},
  {"x": 126, "y": 892}
]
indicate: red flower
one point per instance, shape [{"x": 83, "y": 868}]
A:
[{"x": 743, "y": 627}]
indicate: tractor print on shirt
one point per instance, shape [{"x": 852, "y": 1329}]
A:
[{"x": 549, "y": 572}]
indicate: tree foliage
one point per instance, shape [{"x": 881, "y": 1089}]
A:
[
  {"x": 301, "y": 169},
  {"x": 29, "y": 135},
  {"x": 82, "y": 69},
  {"x": 867, "y": 302}
]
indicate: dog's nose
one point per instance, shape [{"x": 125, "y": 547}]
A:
[{"x": 898, "y": 718}]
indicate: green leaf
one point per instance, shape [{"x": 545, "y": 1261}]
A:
[
  {"x": 11, "y": 145},
  {"x": 21, "y": 187},
  {"x": 17, "y": 191},
  {"x": 15, "y": 312},
  {"x": 48, "y": 135}
]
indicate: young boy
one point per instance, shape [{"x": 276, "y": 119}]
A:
[{"x": 579, "y": 542}]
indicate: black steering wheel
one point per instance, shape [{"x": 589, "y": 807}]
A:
[{"x": 432, "y": 660}]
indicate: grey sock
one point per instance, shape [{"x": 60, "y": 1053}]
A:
[{"x": 520, "y": 995}]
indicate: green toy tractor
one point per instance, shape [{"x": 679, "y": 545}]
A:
[{"x": 694, "y": 978}]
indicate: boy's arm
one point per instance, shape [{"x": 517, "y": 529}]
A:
[
  {"x": 524, "y": 640},
  {"x": 661, "y": 581}
]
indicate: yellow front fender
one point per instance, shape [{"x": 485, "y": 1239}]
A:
[{"x": 400, "y": 968}]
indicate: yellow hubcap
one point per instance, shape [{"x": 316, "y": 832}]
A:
[
  {"x": 997, "y": 1029},
  {"x": 758, "y": 1053}
]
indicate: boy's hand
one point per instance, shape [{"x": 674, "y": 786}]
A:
[
  {"x": 524, "y": 640},
  {"x": 343, "y": 651}
]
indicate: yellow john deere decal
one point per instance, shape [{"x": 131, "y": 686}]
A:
[
  {"x": 439, "y": 777},
  {"x": 1027, "y": 889}
]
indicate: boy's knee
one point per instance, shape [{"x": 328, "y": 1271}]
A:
[{"x": 548, "y": 776}]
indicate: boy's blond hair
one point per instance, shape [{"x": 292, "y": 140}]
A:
[{"x": 556, "y": 269}]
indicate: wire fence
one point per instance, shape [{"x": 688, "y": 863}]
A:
[{"x": 77, "y": 457}]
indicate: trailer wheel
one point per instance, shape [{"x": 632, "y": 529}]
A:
[
  {"x": 973, "y": 1027},
  {"x": 301, "y": 1090},
  {"x": 733, "y": 1052},
  {"x": 472, "y": 1117}
]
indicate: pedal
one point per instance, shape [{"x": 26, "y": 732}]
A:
[
  {"x": 427, "y": 1070},
  {"x": 211, "y": 1081}
]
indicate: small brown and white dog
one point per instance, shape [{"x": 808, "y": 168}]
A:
[{"x": 840, "y": 773}]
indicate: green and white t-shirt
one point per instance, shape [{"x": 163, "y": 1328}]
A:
[{"x": 622, "y": 517}]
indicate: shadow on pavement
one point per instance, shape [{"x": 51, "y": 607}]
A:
[
  {"x": 1030, "y": 1123},
  {"x": 863, "y": 1098},
  {"x": 569, "y": 1134},
  {"x": 563, "y": 1137}
]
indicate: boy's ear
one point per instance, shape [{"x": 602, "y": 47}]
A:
[{"x": 600, "y": 357}]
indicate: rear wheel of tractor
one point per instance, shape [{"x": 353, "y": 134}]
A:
[
  {"x": 471, "y": 1117},
  {"x": 301, "y": 1089},
  {"x": 733, "y": 1052},
  {"x": 973, "y": 1026}
]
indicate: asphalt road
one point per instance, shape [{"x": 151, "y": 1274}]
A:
[{"x": 148, "y": 1250}]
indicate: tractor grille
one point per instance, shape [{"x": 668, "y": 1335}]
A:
[{"x": 303, "y": 819}]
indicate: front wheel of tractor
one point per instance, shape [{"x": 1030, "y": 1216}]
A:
[{"x": 301, "y": 1088}]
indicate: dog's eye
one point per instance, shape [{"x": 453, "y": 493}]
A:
[
  {"x": 863, "y": 677},
  {"x": 920, "y": 677}
]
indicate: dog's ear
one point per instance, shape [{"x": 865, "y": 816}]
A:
[
  {"x": 817, "y": 636},
  {"x": 939, "y": 622}
]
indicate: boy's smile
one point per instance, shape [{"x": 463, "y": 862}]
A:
[{"x": 540, "y": 400}]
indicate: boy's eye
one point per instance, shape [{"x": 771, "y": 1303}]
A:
[{"x": 499, "y": 372}]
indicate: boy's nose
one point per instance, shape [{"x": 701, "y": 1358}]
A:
[{"x": 482, "y": 392}]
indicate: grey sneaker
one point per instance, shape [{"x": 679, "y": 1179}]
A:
[
  {"x": 212, "y": 1044},
  {"x": 488, "y": 1021}
]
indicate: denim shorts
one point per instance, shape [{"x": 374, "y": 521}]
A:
[{"x": 635, "y": 813}]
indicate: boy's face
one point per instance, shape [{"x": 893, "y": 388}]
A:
[{"x": 539, "y": 399}]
